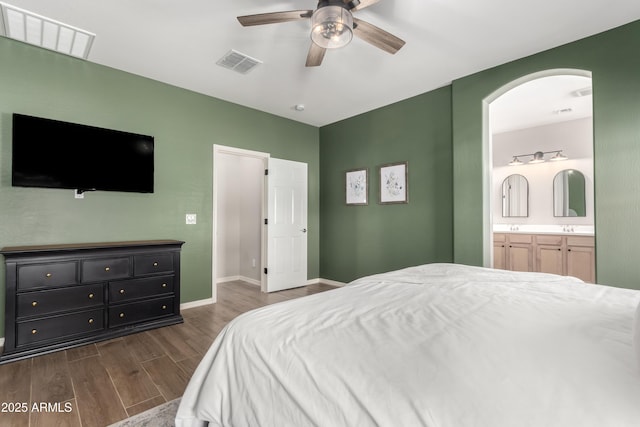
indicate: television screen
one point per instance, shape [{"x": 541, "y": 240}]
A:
[{"x": 54, "y": 154}]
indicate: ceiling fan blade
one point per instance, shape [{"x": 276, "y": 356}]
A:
[
  {"x": 377, "y": 36},
  {"x": 361, "y": 5},
  {"x": 315, "y": 55},
  {"x": 274, "y": 17}
]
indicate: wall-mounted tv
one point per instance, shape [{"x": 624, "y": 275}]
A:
[{"x": 54, "y": 154}]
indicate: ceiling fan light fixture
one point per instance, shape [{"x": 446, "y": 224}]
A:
[{"x": 331, "y": 27}]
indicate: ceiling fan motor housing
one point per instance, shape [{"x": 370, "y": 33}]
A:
[{"x": 332, "y": 24}]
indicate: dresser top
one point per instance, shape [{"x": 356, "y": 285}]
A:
[{"x": 93, "y": 245}]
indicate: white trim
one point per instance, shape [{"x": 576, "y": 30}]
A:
[
  {"x": 222, "y": 149},
  {"x": 487, "y": 148},
  {"x": 193, "y": 304},
  {"x": 326, "y": 282},
  {"x": 2, "y": 342},
  {"x": 238, "y": 278}
]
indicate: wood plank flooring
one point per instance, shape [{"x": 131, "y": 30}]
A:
[{"x": 100, "y": 384}]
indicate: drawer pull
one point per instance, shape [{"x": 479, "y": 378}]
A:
[
  {"x": 90, "y": 296},
  {"x": 155, "y": 264},
  {"x": 35, "y": 303},
  {"x": 107, "y": 268},
  {"x": 121, "y": 291},
  {"x": 164, "y": 285},
  {"x": 34, "y": 331},
  {"x": 164, "y": 307},
  {"x": 121, "y": 315},
  {"x": 48, "y": 275},
  {"x": 90, "y": 321}
]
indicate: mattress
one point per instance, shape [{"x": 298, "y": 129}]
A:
[{"x": 439, "y": 345}]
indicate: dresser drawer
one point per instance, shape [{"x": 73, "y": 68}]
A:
[
  {"x": 143, "y": 310},
  {"x": 154, "y": 263},
  {"x": 59, "y": 300},
  {"x": 46, "y": 275},
  {"x": 60, "y": 327},
  {"x": 96, "y": 270},
  {"x": 125, "y": 290}
]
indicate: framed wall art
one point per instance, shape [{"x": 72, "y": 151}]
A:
[
  {"x": 394, "y": 183},
  {"x": 356, "y": 187}
]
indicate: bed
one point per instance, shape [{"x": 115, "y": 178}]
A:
[{"x": 439, "y": 345}]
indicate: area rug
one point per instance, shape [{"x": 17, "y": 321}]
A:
[{"x": 160, "y": 416}]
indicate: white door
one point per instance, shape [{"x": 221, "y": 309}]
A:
[{"x": 286, "y": 225}]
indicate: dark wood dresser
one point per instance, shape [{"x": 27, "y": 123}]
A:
[{"x": 63, "y": 296}]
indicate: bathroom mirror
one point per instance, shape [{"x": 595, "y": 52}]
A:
[
  {"x": 569, "y": 194},
  {"x": 515, "y": 196}
]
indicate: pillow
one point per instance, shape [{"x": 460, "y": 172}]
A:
[{"x": 636, "y": 335}]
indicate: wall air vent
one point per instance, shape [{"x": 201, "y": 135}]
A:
[
  {"x": 28, "y": 27},
  {"x": 239, "y": 62}
]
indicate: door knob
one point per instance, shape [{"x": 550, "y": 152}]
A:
[{"x": 304, "y": 230}]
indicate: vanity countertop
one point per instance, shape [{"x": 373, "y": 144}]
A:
[{"x": 573, "y": 230}]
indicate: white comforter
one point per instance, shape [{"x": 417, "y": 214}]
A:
[{"x": 437, "y": 345}]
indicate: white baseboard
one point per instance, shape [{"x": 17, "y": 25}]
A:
[
  {"x": 241, "y": 278},
  {"x": 193, "y": 304},
  {"x": 326, "y": 281}
]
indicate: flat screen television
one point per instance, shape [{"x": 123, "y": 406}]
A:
[{"x": 54, "y": 154}]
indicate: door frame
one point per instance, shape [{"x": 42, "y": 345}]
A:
[
  {"x": 217, "y": 151},
  {"x": 487, "y": 151}
]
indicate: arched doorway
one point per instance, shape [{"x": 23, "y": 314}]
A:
[{"x": 529, "y": 113}]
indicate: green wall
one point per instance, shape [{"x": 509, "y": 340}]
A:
[
  {"x": 362, "y": 240},
  {"x": 185, "y": 126},
  {"x": 613, "y": 59}
]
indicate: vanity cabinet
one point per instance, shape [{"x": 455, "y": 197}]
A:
[
  {"x": 515, "y": 251},
  {"x": 550, "y": 254},
  {"x": 581, "y": 258},
  {"x": 565, "y": 255},
  {"x": 62, "y": 296}
]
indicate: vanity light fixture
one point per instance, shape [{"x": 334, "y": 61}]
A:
[
  {"x": 515, "y": 162},
  {"x": 538, "y": 157}
]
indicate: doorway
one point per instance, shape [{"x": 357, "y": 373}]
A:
[
  {"x": 526, "y": 116},
  {"x": 238, "y": 208},
  {"x": 259, "y": 220}
]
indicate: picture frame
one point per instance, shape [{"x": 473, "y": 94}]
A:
[
  {"x": 356, "y": 187},
  {"x": 394, "y": 183}
]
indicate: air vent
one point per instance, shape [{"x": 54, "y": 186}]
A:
[
  {"x": 563, "y": 110},
  {"x": 27, "y": 27},
  {"x": 238, "y": 62},
  {"x": 585, "y": 91}
]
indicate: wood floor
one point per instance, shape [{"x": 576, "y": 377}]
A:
[{"x": 99, "y": 384}]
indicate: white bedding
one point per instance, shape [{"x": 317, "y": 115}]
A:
[{"x": 439, "y": 345}]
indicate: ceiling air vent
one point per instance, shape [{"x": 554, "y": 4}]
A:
[
  {"x": 238, "y": 62},
  {"x": 586, "y": 91},
  {"x": 28, "y": 27}
]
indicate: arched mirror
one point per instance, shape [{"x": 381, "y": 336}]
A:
[
  {"x": 569, "y": 194},
  {"x": 515, "y": 196}
]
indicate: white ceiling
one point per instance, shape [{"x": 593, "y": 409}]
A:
[
  {"x": 179, "y": 42},
  {"x": 540, "y": 102}
]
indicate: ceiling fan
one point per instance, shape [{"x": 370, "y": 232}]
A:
[{"x": 332, "y": 26}]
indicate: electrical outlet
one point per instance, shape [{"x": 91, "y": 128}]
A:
[{"x": 191, "y": 219}]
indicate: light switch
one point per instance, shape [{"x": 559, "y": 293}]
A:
[{"x": 191, "y": 219}]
